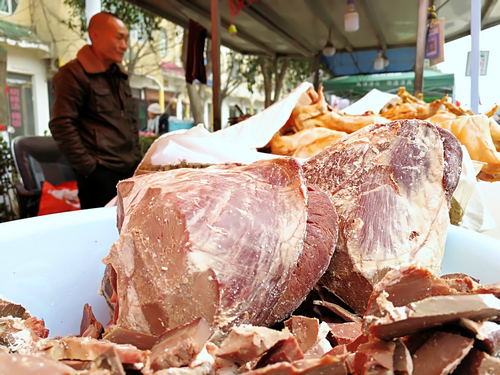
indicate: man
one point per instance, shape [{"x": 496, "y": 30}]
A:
[
  {"x": 93, "y": 114},
  {"x": 157, "y": 120}
]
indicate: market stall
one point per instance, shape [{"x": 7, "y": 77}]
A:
[
  {"x": 302, "y": 240},
  {"x": 305, "y": 28},
  {"x": 436, "y": 84}
]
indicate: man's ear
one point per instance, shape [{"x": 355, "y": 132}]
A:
[{"x": 94, "y": 35}]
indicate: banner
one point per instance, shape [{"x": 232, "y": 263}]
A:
[{"x": 434, "y": 49}]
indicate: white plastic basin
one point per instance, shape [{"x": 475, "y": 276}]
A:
[{"x": 52, "y": 264}]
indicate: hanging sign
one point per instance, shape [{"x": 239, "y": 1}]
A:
[
  {"x": 434, "y": 48},
  {"x": 483, "y": 63}
]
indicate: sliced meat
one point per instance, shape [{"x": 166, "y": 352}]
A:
[
  {"x": 32, "y": 365},
  {"x": 284, "y": 351},
  {"x": 431, "y": 312},
  {"x": 406, "y": 284},
  {"x": 374, "y": 358},
  {"x": 478, "y": 363},
  {"x": 487, "y": 335},
  {"x": 89, "y": 326},
  {"x": 246, "y": 343},
  {"x": 345, "y": 333},
  {"x": 205, "y": 243},
  {"x": 87, "y": 349},
  {"x": 326, "y": 365},
  {"x": 180, "y": 346},
  {"x": 304, "y": 329},
  {"x": 12, "y": 309},
  {"x": 403, "y": 363},
  {"x": 319, "y": 244},
  {"x": 441, "y": 354},
  {"x": 124, "y": 336},
  {"x": 391, "y": 185}
]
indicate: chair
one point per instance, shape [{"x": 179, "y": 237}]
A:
[{"x": 37, "y": 159}]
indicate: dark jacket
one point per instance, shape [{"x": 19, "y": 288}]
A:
[
  {"x": 93, "y": 115},
  {"x": 163, "y": 125}
]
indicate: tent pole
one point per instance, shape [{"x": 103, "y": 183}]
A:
[
  {"x": 475, "y": 30},
  {"x": 420, "y": 50},
  {"x": 216, "y": 104},
  {"x": 316, "y": 71}
]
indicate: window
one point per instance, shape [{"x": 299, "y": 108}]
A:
[
  {"x": 233, "y": 112},
  {"x": 163, "y": 42},
  {"x": 8, "y": 6},
  {"x": 20, "y": 104}
]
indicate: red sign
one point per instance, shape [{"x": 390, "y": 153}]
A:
[{"x": 15, "y": 107}]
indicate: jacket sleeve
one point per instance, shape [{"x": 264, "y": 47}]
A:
[{"x": 64, "y": 124}]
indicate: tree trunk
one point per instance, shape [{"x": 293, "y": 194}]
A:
[
  {"x": 197, "y": 102},
  {"x": 278, "y": 80},
  {"x": 267, "y": 81}
]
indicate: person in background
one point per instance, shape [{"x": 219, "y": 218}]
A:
[
  {"x": 93, "y": 119},
  {"x": 157, "y": 120}
]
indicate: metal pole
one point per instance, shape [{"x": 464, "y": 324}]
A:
[
  {"x": 420, "y": 50},
  {"x": 475, "y": 29},
  {"x": 91, "y": 7},
  {"x": 216, "y": 104}
]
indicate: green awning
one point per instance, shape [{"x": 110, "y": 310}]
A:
[
  {"x": 20, "y": 35},
  {"x": 389, "y": 82}
]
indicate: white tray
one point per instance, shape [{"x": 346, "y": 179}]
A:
[{"x": 52, "y": 264}]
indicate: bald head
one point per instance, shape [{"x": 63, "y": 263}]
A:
[{"x": 109, "y": 37}]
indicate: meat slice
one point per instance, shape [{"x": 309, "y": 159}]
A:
[
  {"x": 487, "y": 335},
  {"x": 345, "y": 333},
  {"x": 326, "y": 365},
  {"x": 478, "y": 363},
  {"x": 284, "y": 351},
  {"x": 431, "y": 312},
  {"x": 87, "y": 349},
  {"x": 441, "y": 354},
  {"x": 219, "y": 243},
  {"x": 12, "y": 309},
  {"x": 90, "y": 326},
  {"x": 391, "y": 185},
  {"x": 319, "y": 244},
  {"x": 403, "y": 363},
  {"x": 246, "y": 343},
  {"x": 374, "y": 358},
  {"x": 180, "y": 346},
  {"x": 124, "y": 336},
  {"x": 304, "y": 329},
  {"x": 32, "y": 365},
  {"x": 405, "y": 284}
]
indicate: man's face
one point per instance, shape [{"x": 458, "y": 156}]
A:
[{"x": 111, "y": 40}]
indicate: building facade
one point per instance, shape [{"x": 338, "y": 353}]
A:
[{"x": 38, "y": 41}]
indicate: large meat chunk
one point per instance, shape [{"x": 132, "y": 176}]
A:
[
  {"x": 220, "y": 243},
  {"x": 391, "y": 185}
]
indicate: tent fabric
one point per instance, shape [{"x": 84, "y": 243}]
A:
[
  {"x": 346, "y": 64},
  {"x": 389, "y": 82}
]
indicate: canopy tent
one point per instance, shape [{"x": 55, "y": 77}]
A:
[
  {"x": 436, "y": 84},
  {"x": 301, "y": 27}
]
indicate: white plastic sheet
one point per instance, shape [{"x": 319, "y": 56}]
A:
[{"x": 237, "y": 143}]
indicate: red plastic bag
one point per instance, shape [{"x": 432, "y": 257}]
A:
[{"x": 59, "y": 198}]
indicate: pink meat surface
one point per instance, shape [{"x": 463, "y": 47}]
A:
[
  {"x": 219, "y": 243},
  {"x": 391, "y": 185}
]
